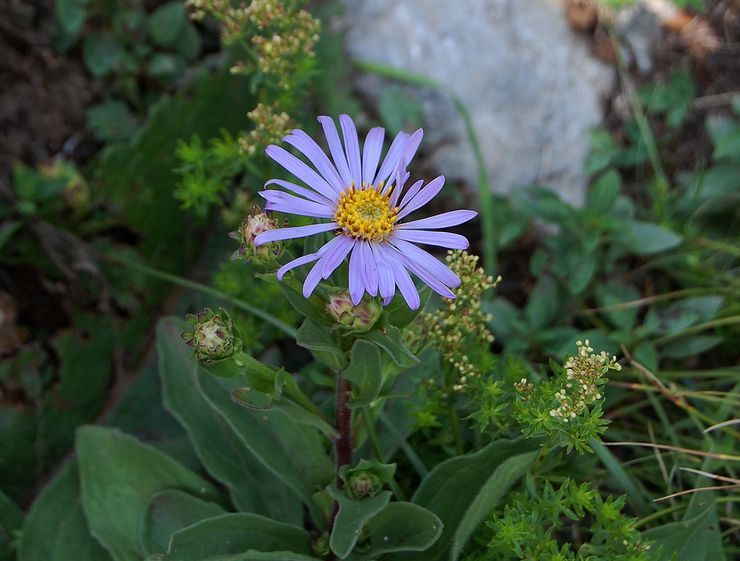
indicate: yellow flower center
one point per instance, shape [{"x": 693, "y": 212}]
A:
[{"x": 366, "y": 213}]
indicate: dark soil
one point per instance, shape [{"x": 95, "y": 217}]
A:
[{"x": 43, "y": 94}]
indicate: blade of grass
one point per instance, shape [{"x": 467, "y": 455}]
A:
[
  {"x": 637, "y": 497},
  {"x": 192, "y": 285},
  {"x": 716, "y": 455}
]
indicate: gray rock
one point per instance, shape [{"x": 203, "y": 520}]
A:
[{"x": 531, "y": 86}]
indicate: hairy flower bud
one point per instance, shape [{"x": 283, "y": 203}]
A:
[
  {"x": 212, "y": 337},
  {"x": 255, "y": 224},
  {"x": 357, "y": 319}
]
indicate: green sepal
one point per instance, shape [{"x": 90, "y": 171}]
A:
[{"x": 374, "y": 471}]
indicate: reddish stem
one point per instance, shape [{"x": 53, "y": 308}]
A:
[{"x": 343, "y": 444}]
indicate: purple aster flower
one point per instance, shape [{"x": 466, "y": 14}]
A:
[{"x": 365, "y": 207}]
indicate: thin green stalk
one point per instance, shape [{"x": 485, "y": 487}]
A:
[
  {"x": 646, "y": 133},
  {"x": 485, "y": 200},
  {"x": 729, "y": 320},
  {"x": 186, "y": 283},
  {"x": 719, "y": 246},
  {"x": 375, "y": 442}
]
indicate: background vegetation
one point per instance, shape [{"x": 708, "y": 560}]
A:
[{"x": 125, "y": 220}]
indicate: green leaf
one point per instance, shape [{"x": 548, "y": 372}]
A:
[
  {"x": 687, "y": 539},
  {"x": 166, "y": 67},
  {"x": 319, "y": 340},
  {"x": 728, "y": 145},
  {"x": 39, "y": 436},
  {"x": 119, "y": 474},
  {"x": 542, "y": 304},
  {"x": 55, "y": 528},
  {"x": 167, "y": 23},
  {"x": 398, "y": 312},
  {"x": 611, "y": 294},
  {"x": 364, "y": 372},
  {"x": 390, "y": 339},
  {"x": 222, "y": 537},
  {"x": 70, "y": 15},
  {"x": 111, "y": 121},
  {"x": 401, "y": 527},
  {"x": 273, "y": 437},
  {"x": 645, "y": 238},
  {"x": 604, "y": 192},
  {"x": 463, "y": 490},
  {"x": 188, "y": 43},
  {"x": 246, "y": 397},
  {"x": 173, "y": 510},
  {"x": 690, "y": 345},
  {"x": 625, "y": 480},
  {"x": 11, "y": 520},
  {"x": 581, "y": 269},
  {"x": 252, "y": 486},
  {"x": 646, "y": 355},
  {"x": 542, "y": 203},
  {"x": 312, "y": 307},
  {"x": 352, "y": 516},
  {"x": 101, "y": 53}
]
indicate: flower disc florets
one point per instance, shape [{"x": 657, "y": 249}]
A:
[
  {"x": 212, "y": 337},
  {"x": 366, "y": 213}
]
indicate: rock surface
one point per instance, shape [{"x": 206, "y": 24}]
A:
[{"x": 532, "y": 87}]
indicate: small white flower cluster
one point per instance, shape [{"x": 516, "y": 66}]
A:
[
  {"x": 524, "y": 387},
  {"x": 584, "y": 375},
  {"x": 460, "y": 323}
]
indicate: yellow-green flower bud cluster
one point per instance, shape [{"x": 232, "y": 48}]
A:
[
  {"x": 270, "y": 126},
  {"x": 460, "y": 324},
  {"x": 584, "y": 377},
  {"x": 280, "y": 32}
]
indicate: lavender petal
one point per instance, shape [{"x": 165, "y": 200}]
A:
[
  {"x": 293, "y": 233},
  {"x": 308, "y": 147},
  {"x": 441, "y": 239},
  {"x": 425, "y": 195},
  {"x": 371, "y": 154},
  {"x": 300, "y": 170},
  {"x": 352, "y": 148},
  {"x": 444, "y": 220},
  {"x": 335, "y": 147}
]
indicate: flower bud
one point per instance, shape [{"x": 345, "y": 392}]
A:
[
  {"x": 320, "y": 545},
  {"x": 367, "y": 478},
  {"x": 364, "y": 484},
  {"x": 212, "y": 337},
  {"x": 253, "y": 225},
  {"x": 357, "y": 319}
]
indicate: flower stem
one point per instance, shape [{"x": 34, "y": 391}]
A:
[{"x": 343, "y": 443}]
